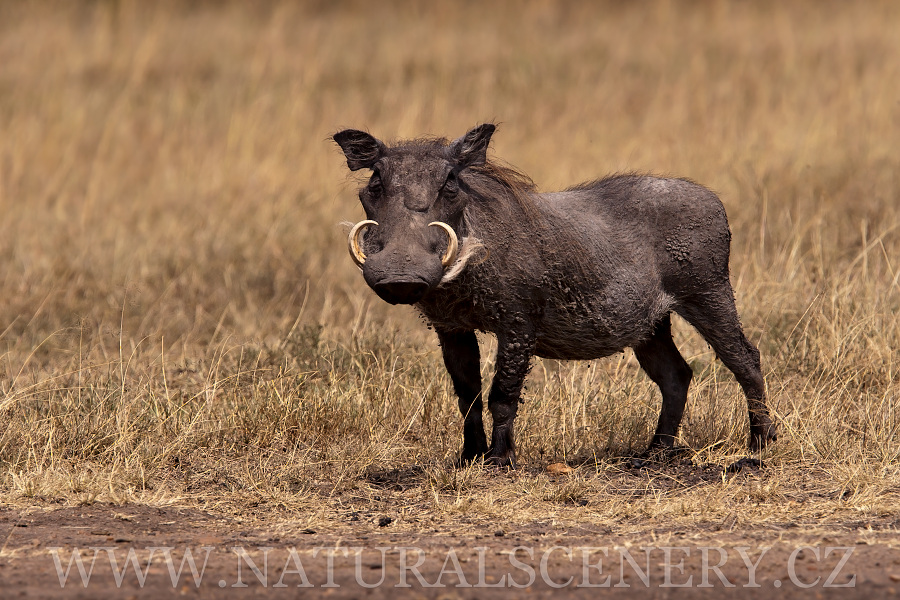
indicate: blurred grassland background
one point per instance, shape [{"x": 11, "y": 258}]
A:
[{"x": 180, "y": 321}]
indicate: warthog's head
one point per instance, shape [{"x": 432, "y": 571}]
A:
[{"x": 414, "y": 203}]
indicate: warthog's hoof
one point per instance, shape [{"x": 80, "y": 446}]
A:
[
  {"x": 505, "y": 459},
  {"x": 660, "y": 453},
  {"x": 467, "y": 458},
  {"x": 474, "y": 448},
  {"x": 744, "y": 463},
  {"x": 762, "y": 435}
]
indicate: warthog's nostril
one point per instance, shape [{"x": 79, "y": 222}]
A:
[{"x": 401, "y": 292}]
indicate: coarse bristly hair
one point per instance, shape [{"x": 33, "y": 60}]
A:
[
  {"x": 515, "y": 196},
  {"x": 469, "y": 246},
  {"x": 496, "y": 180}
]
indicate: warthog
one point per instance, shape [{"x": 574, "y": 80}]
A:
[{"x": 577, "y": 274}]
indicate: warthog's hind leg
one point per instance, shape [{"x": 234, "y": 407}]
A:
[
  {"x": 462, "y": 359},
  {"x": 714, "y": 315},
  {"x": 660, "y": 358}
]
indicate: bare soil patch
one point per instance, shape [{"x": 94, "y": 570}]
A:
[{"x": 367, "y": 555}]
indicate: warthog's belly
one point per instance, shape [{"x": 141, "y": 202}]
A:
[
  {"x": 574, "y": 350},
  {"x": 568, "y": 342},
  {"x": 599, "y": 329}
]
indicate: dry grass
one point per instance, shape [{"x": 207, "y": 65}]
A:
[{"x": 179, "y": 321}]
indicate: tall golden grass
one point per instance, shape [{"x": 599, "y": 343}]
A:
[{"x": 179, "y": 320}]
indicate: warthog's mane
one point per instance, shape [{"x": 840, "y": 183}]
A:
[
  {"x": 499, "y": 180},
  {"x": 506, "y": 203},
  {"x": 509, "y": 190}
]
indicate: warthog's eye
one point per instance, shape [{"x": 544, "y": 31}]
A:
[
  {"x": 451, "y": 186},
  {"x": 375, "y": 186}
]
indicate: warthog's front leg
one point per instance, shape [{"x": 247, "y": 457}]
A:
[
  {"x": 462, "y": 360},
  {"x": 514, "y": 351}
]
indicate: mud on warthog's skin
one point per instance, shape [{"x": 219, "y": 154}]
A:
[{"x": 577, "y": 274}]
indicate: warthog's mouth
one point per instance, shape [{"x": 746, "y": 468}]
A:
[{"x": 401, "y": 291}]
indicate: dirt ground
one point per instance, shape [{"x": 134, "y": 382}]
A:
[{"x": 142, "y": 551}]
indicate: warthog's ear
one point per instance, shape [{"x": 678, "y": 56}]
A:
[
  {"x": 361, "y": 149},
  {"x": 471, "y": 149}
]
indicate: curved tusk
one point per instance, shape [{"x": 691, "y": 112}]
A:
[
  {"x": 353, "y": 242},
  {"x": 452, "y": 252}
]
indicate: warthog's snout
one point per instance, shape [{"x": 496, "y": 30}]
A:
[
  {"x": 399, "y": 281},
  {"x": 401, "y": 291}
]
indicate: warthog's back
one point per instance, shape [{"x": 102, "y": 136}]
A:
[
  {"x": 637, "y": 246},
  {"x": 676, "y": 224}
]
